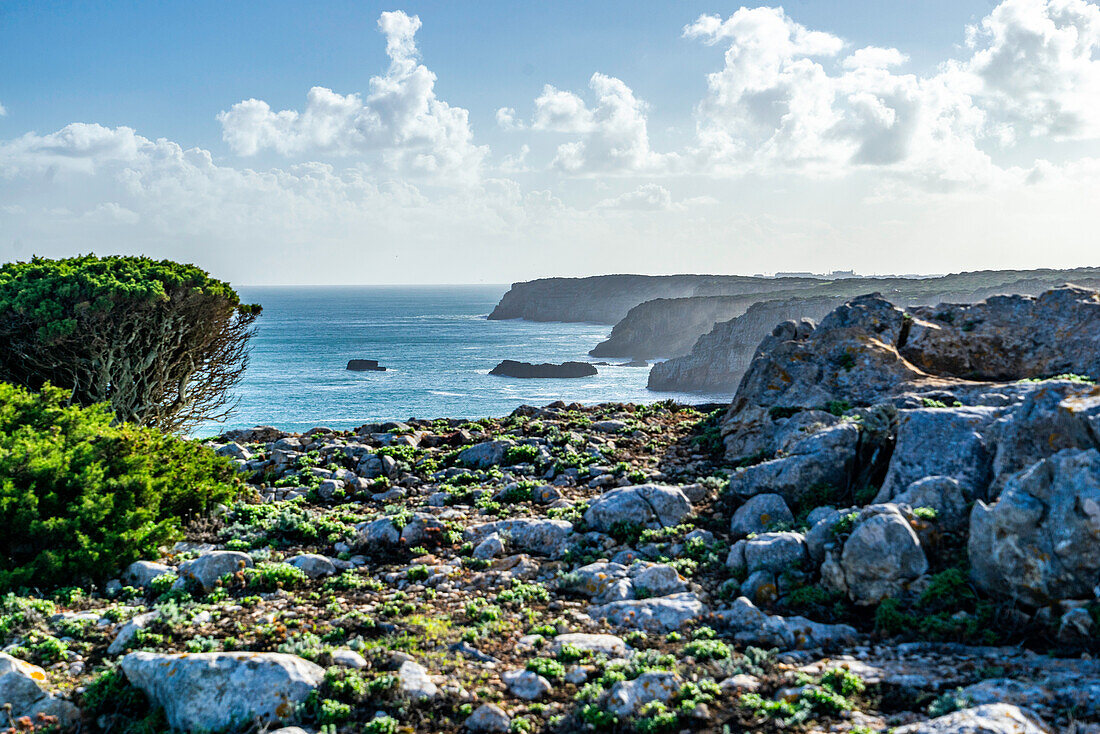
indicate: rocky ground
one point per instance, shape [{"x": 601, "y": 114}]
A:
[{"x": 807, "y": 560}]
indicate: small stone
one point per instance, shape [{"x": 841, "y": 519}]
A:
[
  {"x": 489, "y": 718},
  {"x": 760, "y": 514},
  {"x": 348, "y": 659},
  {"x": 526, "y": 684},
  {"x": 313, "y": 565},
  {"x": 415, "y": 682}
]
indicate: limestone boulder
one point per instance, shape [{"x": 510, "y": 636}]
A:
[
  {"x": 650, "y": 505},
  {"x": 1040, "y": 541},
  {"x": 216, "y": 691}
]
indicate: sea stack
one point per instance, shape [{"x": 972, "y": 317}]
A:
[
  {"x": 365, "y": 365},
  {"x": 511, "y": 368}
]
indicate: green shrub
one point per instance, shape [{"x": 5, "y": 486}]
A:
[
  {"x": 547, "y": 668},
  {"x": 522, "y": 454},
  {"x": 272, "y": 576},
  {"x": 81, "y": 498},
  {"x": 161, "y": 342}
]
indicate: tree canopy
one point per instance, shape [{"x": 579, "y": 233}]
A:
[{"x": 161, "y": 342}]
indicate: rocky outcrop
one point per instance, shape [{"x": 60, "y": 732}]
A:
[
  {"x": 22, "y": 690},
  {"x": 719, "y": 358},
  {"x": 879, "y": 397},
  {"x": 511, "y": 368}
]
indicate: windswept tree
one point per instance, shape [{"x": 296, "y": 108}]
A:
[{"x": 160, "y": 341}]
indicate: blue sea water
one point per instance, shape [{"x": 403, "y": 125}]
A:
[{"x": 438, "y": 347}]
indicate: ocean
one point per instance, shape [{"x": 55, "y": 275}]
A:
[{"x": 438, "y": 347}]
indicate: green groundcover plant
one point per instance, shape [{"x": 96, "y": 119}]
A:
[{"x": 82, "y": 496}]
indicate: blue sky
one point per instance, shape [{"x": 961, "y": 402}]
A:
[{"x": 526, "y": 139}]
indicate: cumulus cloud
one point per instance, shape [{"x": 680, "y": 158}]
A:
[
  {"x": 613, "y": 134},
  {"x": 650, "y": 197},
  {"x": 401, "y": 119},
  {"x": 1037, "y": 67},
  {"x": 506, "y": 119},
  {"x": 3, "y": 111}
]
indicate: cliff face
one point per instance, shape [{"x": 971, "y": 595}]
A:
[
  {"x": 719, "y": 358},
  {"x": 605, "y": 299},
  {"x": 667, "y": 327}
]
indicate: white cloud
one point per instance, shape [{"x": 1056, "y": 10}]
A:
[
  {"x": 650, "y": 197},
  {"x": 506, "y": 119},
  {"x": 874, "y": 57},
  {"x": 401, "y": 119},
  {"x": 3, "y": 110},
  {"x": 614, "y": 134},
  {"x": 1037, "y": 66}
]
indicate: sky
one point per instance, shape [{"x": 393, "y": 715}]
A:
[{"x": 492, "y": 142}]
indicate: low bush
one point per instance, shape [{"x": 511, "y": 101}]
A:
[{"x": 81, "y": 497}]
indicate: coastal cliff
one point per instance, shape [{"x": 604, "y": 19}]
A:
[
  {"x": 605, "y": 299},
  {"x": 721, "y": 356}
]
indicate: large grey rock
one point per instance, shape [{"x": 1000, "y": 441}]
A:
[
  {"x": 484, "y": 455},
  {"x": 377, "y": 534},
  {"x": 651, "y": 505},
  {"x": 22, "y": 686},
  {"x": 753, "y": 626},
  {"x": 422, "y": 529},
  {"x": 760, "y": 514},
  {"x": 414, "y": 681},
  {"x": 1051, "y": 417},
  {"x": 525, "y": 684},
  {"x": 627, "y": 696},
  {"x": 882, "y": 554},
  {"x": 944, "y": 495},
  {"x": 658, "y": 580},
  {"x": 141, "y": 573},
  {"x": 610, "y": 645},
  {"x": 663, "y": 614},
  {"x": 1040, "y": 542},
  {"x": 313, "y": 565},
  {"x": 941, "y": 441},
  {"x": 215, "y": 691},
  {"x": 1009, "y": 337},
  {"x": 533, "y": 535},
  {"x": 208, "y": 568},
  {"x": 821, "y": 459},
  {"x": 489, "y": 717},
  {"x": 993, "y": 718},
  {"x": 594, "y": 579},
  {"x": 774, "y": 552}
]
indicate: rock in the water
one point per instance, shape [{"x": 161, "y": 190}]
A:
[
  {"x": 992, "y": 718},
  {"x": 882, "y": 554},
  {"x": 663, "y": 614},
  {"x": 511, "y": 368},
  {"x": 365, "y": 365},
  {"x": 1038, "y": 542},
  {"x": 760, "y": 514},
  {"x": 650, "y": 505},
  {"x": 208, "y": 568},
  {"x": 215, "y": 691},
  {"x": 489, "y": 717},
  {"x": 525, "y": 684},
  {"x": 627, "y": 696},
  {"x": 22, "y": 687}
]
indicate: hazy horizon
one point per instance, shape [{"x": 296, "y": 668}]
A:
[{"x": 438, "y": 143}]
